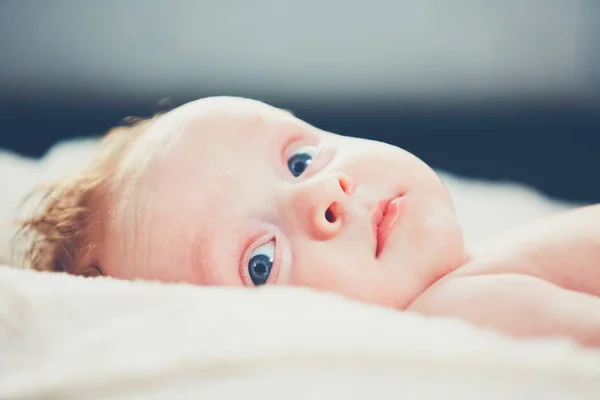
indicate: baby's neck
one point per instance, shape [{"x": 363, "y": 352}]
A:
[{"x": 445, "y": 273}]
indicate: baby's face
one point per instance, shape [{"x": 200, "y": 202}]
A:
[{"x": 236, "y": 192}]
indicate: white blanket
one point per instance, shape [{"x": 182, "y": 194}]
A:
[{"x": 67, "y": 337}]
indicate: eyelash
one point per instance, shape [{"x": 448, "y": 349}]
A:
[
  {"x": 246, "y": 258},
  {"x": 294, "y": 147}
]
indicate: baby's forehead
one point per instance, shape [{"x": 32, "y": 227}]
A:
[
  {"x": 222, "y": 122},
  {"x": 232, "y": 108},
  {"x": 204, "y": 120},
  {"x": 208, "y": 124},
  {"x": 191, "y": 140}
]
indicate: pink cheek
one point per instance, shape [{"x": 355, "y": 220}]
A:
[{"x": 324, "y": 277}]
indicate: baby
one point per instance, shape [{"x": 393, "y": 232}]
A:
[{"x": 231, "y": 191}]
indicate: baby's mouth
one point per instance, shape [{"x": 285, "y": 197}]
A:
[{"x": 384, "y": 218}]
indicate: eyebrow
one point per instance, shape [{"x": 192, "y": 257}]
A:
[
  {"x": 203, "y": 250},
  {"x": 211, "y": 268},
  {"x": 201, "y": 257}
]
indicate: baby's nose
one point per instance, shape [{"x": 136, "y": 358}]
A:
[{"x": 321, "y": 203}]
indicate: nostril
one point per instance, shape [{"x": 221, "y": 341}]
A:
[{"x": 330, "y": 215}]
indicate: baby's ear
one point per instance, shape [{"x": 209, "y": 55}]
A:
[{"x": 91, "y": 271}]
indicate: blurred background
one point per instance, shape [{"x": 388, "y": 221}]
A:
[{"x": 498, "y": 90}]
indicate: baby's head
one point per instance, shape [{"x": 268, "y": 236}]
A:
[{"x": 230, "y": 191}]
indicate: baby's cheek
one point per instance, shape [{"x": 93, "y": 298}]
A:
[
  {"x": 322, "y": 274},
  {"x": 345, "y": 278},
  {"x": 313, "y": 273},
  {"x": 433, "y": 226}
]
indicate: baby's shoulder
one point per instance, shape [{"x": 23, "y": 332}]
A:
[
  {"x": 570, "y": 263},
  {"x": 516, "y": 304},
  {"x": 472, "y": 293}
]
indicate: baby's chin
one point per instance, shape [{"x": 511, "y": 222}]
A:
[{"x": 432, "y": 239}]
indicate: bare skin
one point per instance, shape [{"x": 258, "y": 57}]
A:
[
  {"x": 542, "y": 281},
  {"x": 227, "y": 191}
]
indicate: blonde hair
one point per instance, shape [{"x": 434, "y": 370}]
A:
[{"x": 68, "y": 221}]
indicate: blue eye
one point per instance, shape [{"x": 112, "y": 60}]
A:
[
  {"x": 261, "y": 263},
  {"x": 301, "y": 159}
]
